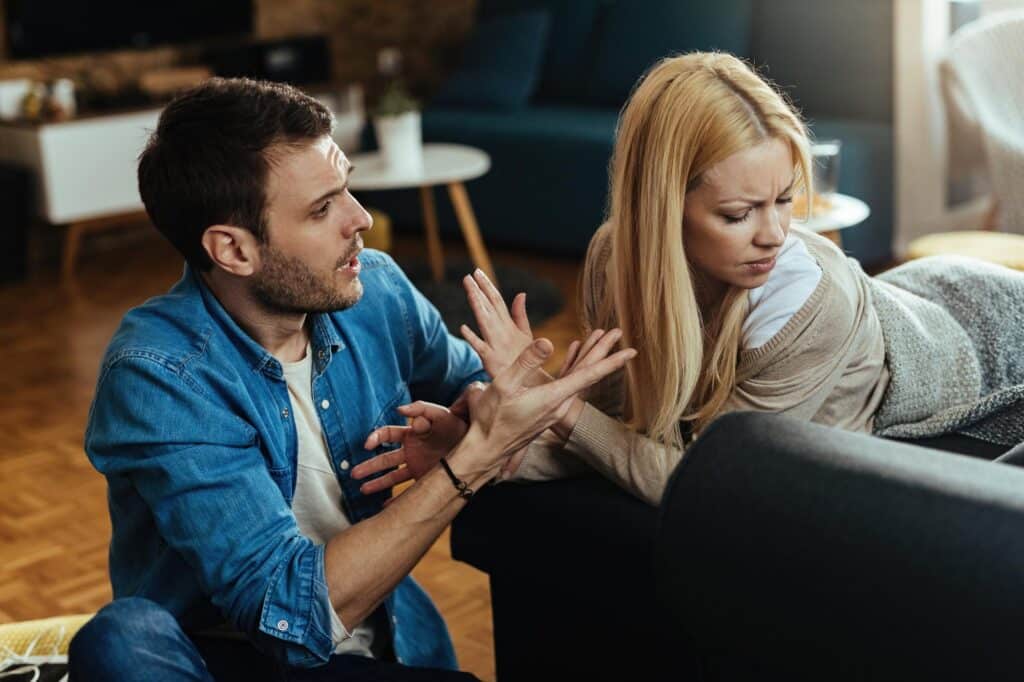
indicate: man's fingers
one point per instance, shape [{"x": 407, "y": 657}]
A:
[
  {"x": 531, "y": 359},
  {"x": 519, "y": 315},
  {"x": 478, "y": 301},
  {"x": 422, "y": 408},
  {"x": 386, "y": 481},
  {"x": 585, "y": 376},
  {"x": 386, "y": 460},
  {"x": 421, "y": 426},
  {"x": 386, "y": 434}
]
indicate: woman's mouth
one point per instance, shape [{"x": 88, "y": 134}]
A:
[{"x": 759, "y": 267}]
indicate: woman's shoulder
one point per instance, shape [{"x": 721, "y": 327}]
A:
[{"x": 791, "y": 284}]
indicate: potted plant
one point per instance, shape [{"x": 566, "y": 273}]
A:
[{"x": 397, "y": 124}]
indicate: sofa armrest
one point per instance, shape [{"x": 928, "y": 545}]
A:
[{"x": 810, "y": 549}]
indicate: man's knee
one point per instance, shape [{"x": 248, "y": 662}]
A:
[{"x": 111, "y": 641}]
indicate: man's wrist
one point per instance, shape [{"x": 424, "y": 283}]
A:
[{"x": 471, "y": 461}]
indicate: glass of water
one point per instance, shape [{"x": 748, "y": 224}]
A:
[{"x": 825, "y": 169}]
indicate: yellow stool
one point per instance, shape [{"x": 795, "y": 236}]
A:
[
  {"x": 995, "y": 247},
  {"x": 380, "y": 236},
  {"x": 46, "y": 637}
]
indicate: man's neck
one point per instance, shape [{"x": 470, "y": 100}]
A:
[{"x": 283, "y": 335}]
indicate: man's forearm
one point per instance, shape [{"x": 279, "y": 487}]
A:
[{"x": 364, "y": 563}]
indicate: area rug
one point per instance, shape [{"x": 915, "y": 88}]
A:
[{"x": 543, "y": 298}]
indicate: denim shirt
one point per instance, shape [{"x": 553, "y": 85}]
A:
[{"x": 192, "y": 427}]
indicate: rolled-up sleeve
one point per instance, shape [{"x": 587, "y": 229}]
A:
[{"x": 198, "y": 468}]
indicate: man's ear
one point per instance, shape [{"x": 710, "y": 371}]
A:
[{"x": 233, "y": 249}]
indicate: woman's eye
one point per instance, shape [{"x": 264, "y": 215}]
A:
[
  {"x": 736, "y": 218},
  {"x": 784, "y": 200},
  {"x": 322, "y": 211}
]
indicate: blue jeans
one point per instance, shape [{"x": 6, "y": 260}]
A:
[{"x": 137, "y": 639}]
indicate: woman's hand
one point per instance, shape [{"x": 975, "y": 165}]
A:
[
  {"x": 505, "y": 334},
  {"x": 432, "y": 433}
]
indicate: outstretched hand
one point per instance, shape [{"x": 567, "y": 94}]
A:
[{"x": 505, "y": 334}]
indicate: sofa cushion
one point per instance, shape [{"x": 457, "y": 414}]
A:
[
  {"x": 501, "y": 62},
  {"x": 634, "y": 35},
  {"x": 570, "y": 50},
  {"x": 537, "y": 122}
]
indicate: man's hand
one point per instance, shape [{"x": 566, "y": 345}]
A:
[
  {"x": 431, "y": 434},
  {"x": 509, "y": 413}
]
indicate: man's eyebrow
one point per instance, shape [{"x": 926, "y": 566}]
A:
[{"x": 334, "y": 191}]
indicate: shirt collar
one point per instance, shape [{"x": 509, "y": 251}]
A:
[{"x": 325, "y": 340}]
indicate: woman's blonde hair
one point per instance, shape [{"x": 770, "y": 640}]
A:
[{"x": 687, "y": 113}]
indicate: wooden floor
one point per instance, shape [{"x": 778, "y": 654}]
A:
[{"x": 54, "y": 527}]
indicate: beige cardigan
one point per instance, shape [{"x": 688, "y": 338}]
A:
[{"x": 827, "y": 365}]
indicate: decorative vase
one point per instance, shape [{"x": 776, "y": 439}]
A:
[{"x": 401, "y": 142}]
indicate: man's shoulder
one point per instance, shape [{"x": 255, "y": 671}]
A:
[{"x": 168, "y": 329}]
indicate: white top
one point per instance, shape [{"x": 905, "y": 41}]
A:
[
  {"x": 846, "y": 211},
  {"x": 790, "y": 284},
  {"x": 317, "y": 503},
  {"x": 442, "y": 164}
]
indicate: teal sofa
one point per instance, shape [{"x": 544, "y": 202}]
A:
[{"x": 547, "y": 187}]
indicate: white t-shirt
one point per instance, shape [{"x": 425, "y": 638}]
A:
[
  {"x": 790, "y": 284},
  {"x": 317, "y": 503}
]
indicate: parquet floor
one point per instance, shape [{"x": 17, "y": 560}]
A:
[{"x": 54, "y": 527}]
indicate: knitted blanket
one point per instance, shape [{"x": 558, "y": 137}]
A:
[{"x": 954, "y": 344}]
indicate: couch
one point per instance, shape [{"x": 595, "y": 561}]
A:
[
  {"x": 784, "y": 550},
  {"x": 547, "y": 187}
]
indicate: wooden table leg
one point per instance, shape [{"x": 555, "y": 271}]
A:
[
  {"x": 72, "y": 241},
  {"x": 434, "y": 251},
  {"x": 470, "y": 230}
]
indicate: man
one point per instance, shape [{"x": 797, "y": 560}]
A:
[{"x": 230, "y": 412}]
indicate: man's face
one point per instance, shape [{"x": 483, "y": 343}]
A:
[{"x": 309, "y": 262}]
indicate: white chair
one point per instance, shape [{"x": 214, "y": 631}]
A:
[{"x": 986, "y": 65}]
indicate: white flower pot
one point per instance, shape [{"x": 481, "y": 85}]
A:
[{"x": 401, "y": 142}]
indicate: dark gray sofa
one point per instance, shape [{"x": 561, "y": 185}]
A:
[{"x": 785, "y": 550}]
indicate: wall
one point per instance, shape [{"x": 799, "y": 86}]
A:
[{"x": 429, "y": 33}]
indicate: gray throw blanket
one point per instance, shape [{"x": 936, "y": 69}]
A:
[{"x": 954, "y": 344}]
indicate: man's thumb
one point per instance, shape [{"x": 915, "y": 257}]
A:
[{"x": 534, "y": 355}]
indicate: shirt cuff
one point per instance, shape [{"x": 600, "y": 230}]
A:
[
  {"x": 589, "y": 433},
  {"x": 339, "y": 633}
]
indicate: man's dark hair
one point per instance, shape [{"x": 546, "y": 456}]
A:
[{"x": 208, "y": 160}]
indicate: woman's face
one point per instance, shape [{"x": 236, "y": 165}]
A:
[{"x": 736, "y": 219}]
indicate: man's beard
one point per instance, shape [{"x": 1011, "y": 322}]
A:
[{"x": 285, "y": 284}]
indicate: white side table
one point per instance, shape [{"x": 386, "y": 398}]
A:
[
  {"x": 443, "y": 164},
  {"x": 846, "y": 212}
]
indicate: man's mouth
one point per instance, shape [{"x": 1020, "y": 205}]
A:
[{"x": 351, "y": 262}]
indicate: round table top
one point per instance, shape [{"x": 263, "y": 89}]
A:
[
  {"x": 442, "y": 164},
  {"x": 995, "y": 247},
  {"x": 846, "y": 212}
]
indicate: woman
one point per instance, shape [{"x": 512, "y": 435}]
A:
[{"x": 731, "y": 309}]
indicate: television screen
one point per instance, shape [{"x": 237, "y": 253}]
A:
[{"x": 39, "y": 28}]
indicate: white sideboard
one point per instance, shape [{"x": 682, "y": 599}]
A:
[{"x": 84, "y": 168}]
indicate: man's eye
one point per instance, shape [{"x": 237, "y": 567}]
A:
[{"x": 322, "y": 211}]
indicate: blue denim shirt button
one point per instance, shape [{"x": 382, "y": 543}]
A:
[
  {"x": 343, "y": 464},
  {"x": 282, "y": 625},
  {"x": 324, "y": 404},
  {"x": 284, "y": 413}
]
